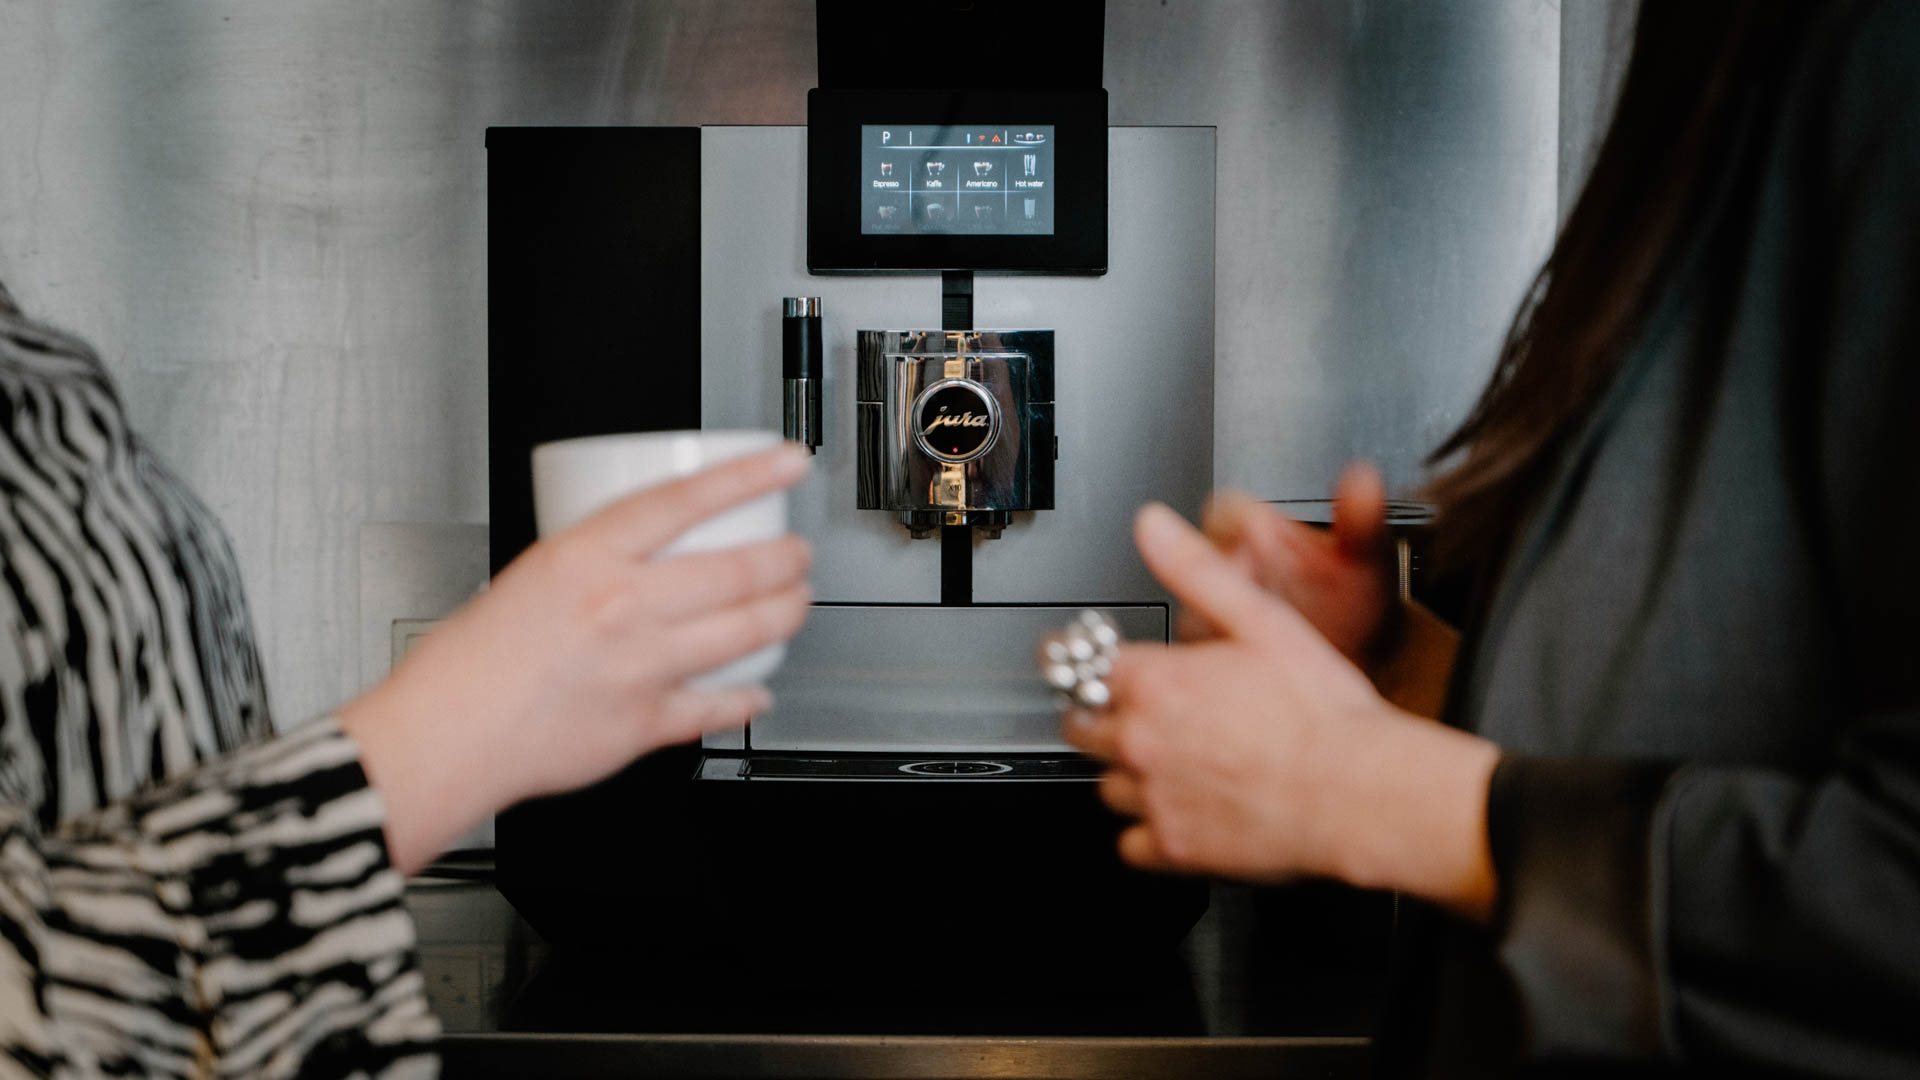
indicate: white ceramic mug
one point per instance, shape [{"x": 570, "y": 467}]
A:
[{"x": 574, "y": 478}]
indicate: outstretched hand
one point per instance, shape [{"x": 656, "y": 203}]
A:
[
  {"x": 575, "y": 661},
  {"x": 1340, "y": 579},
  {"x": 1262, "y": 752}
]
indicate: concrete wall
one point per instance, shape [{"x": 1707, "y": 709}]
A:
[{"x": 270, "y": 219}]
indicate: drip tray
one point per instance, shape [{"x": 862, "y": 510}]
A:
[{"x": 876, "y": 767}]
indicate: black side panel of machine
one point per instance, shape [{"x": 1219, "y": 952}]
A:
[
  {"x": 593, "y": 305},
  {"x": 593, "y": 297}
]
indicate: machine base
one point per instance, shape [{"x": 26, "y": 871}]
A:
[{"x": 834, "y": 878}]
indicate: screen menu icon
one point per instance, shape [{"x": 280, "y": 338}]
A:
[{"x": 980, "y": 180}]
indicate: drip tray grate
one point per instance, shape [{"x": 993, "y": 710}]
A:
[{"x": 928, "y": 767}]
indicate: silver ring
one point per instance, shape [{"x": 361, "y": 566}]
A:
[{"x": 1077, "y": 660}]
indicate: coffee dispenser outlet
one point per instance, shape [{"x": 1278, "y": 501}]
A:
[{"x": 955, "y": 427}]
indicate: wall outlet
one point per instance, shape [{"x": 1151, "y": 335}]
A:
[
  {"x": 413, "y": 575},
  {"x": 406, "y": 633}
]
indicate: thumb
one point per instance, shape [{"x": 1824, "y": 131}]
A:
[
  {"x": 689, "y": 714},
  {"x": 1360, "y": 511},
  {"x": 1199, "y": 575}
]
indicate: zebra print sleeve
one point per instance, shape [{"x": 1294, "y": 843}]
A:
[
  {"x": 239, "y": 921},
  {"x": 126, "y": 653}
]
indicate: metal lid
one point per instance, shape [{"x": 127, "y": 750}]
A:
[{"x": 797, "y": 306}]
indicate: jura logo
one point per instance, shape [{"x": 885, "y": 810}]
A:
[
  {"x": 955, "y": 420},
  {"x": 965, "y": 419}
]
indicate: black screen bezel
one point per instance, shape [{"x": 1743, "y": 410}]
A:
[{"x": 835, "y": 243}]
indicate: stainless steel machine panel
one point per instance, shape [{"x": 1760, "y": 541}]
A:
[
  {"x": 925, "y": 680},
  {"x": 1133, "y": 355},
  {"x": 753, "y": 226}
]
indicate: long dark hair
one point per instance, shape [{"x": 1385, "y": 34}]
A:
[{"x": 1699, "y": 72}]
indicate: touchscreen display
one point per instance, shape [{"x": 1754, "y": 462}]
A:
[{"x": 977, "y": 180}]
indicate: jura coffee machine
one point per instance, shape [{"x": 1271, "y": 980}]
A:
[
  {"x": 986, "y": 432},
  {"x": 992, "y": 315}
]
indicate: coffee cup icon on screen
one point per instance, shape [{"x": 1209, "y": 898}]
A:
[
  {"x": 935, "y": 168},
  {"x": 982, "y": 168}
]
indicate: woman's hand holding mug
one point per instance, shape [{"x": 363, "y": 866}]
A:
[{"x": 577, "y": 659}]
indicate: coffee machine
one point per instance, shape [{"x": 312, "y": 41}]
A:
[
  {"x": 992, "y": 316},
  {"x": 1069, "y": 373}
]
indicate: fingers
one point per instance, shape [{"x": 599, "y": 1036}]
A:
[
  {"x": 689, "y": 714},
  {"x": 1134, "y": 664},
  {"x": 705, "y": 643},
  {"x": 1198, "y": 574},
  {"x": 716, "y": 580},
  {"x": 646, "y": 521},
  {"x": 1138, "y": 847},
  {"x": 1189, "y": 626},
  {"x": 1233, "y": 519},
  {"x": 1120, "y": 790},
  {"x": 1094, "y": 733},
  {"x": 1267, "y": 540},
  {"x": 1360, "y": 510},
  {"x": 1237, "y": 524}
]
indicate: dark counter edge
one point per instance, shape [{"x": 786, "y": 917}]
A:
[{"x": 806, "y": 1057}]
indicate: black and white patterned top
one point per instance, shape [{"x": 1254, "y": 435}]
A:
[{"x": 180, "y": 894}]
